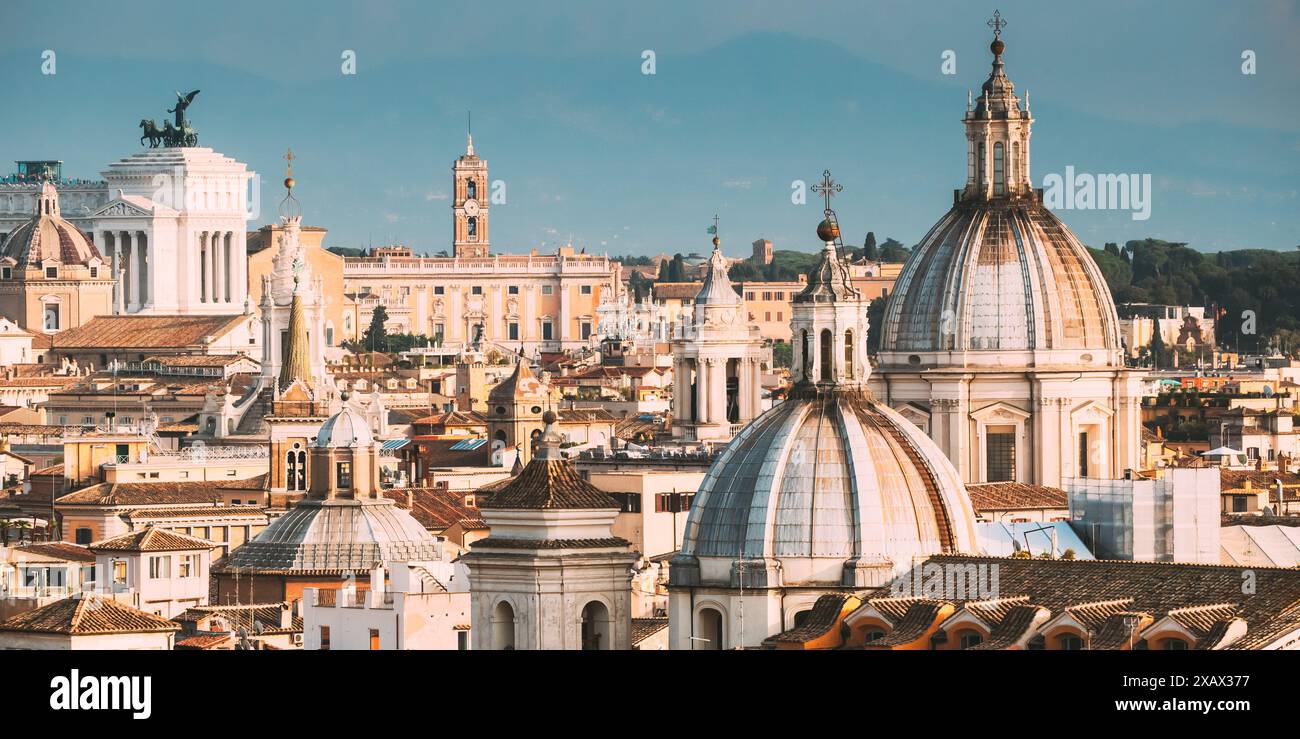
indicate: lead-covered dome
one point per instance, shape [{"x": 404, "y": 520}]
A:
[
  {"x": 345, "y": 429},
  {"x": 1000, "y": 276},
  {"x": 48, "y": 237},
  {"x": 839, "y": 488},
  {"x": 1000, "y": 280}
]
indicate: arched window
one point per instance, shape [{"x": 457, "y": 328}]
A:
[
  {"x": 709, "y": 630},
  {"x": 826, "y": 355},
  {"x": 848, "y": 353},
  {"x": 471, "y": 189},
  {"x": 1013, "y": 166},
  {"x": 980, "y": 164},
  {"x": 999, "y": 171},
  {"x": 503, "y": 626},
  {"x": 596, "y": 626},
  {"x": 807, "y": 349},
  {"x": 471, "y": 228}
]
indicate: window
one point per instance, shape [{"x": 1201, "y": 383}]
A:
[
  {"x": 999, "y": 171},
  {"x": 84, "y": 536},
  {"x": 94, "y": 273},
  {"x": 512, "y": 290},
  {"x": 476, "y": 290},
  {"x": 780, "y": 315},
  {"x": 51, "y": 273},
  {"x": 51, "y": 317},
  {"x": 848, "y": 354},
  {"x": 344, "y": 474},
  {"x": 439, "y": 331},
  {"x": 462, "y": 640},
  {"x": 749, "y": 295},
  {"x": 471, "y": 228},
  {"x": 585, "y": 289},
  {"x": 1000, "y": 456},
  {"x": 160, "y": 568},
  {"x": 548, "y": 331},
  {"x": 767, "y": 315},
  {"x": 1083, "y": 454},
  {"x": 471, "y": 189},
  {"x": 584, "y": 330},
  {"x": 512, "y": 330},
  {"x": 188, "y": 566},
  {"x": 1071, "y": 643},
  {"x": 673, "y": 502},
  {"x": 325, "y": 638},
  {"x": 439, "y": 290},
  {"x": 296, "y": 468},
  {"x": 374, "y": 640},
  {"x": 628, "y": 502},
  {"x": 119, "y": 572},
  {"x": 826, "y": 352},
  {"x": 1175, "y": 645},
  {"x": 6, "y": 273},
  {"x": 970, "y": 639},
  {"x": 548, "y": 289},
  {"x": 329, "y": 336}
]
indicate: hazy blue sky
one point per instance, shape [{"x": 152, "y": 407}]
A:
[{"x": 748, "y": 96}]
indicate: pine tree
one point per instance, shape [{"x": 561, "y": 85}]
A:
[
  {"x": 375, "y": 339},
  {"x": 869, "y": 251}
]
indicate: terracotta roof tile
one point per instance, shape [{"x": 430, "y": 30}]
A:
[
  {"x": 87, "y": 614},
  {"x": 549, "y": 483},
  {"x": 820, "y": 620},
  {"x": 1011, "y": 496},
  {"x": 152, "y": 539},
  {"x": 434, "y": 508},
  {"x": 644, "y": 628},
  {"x": 169, "y": 332},
  {"x": 59, "y": 550},
  {"x": 147, "y": 493}
]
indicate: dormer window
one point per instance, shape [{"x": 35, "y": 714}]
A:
[
  {"x": 6, "y": 273},
  {"x": 51, "y": 273},
  {"x": 94, "y": 273}
]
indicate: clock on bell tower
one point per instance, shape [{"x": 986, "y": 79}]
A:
[{"x": 469, "y": 204}]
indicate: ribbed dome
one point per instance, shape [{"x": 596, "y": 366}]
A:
[
  {"x": 336, "y": 535},
  {"x": 1000, "y": 276},
  {"x": 48, "y": 237},
  {"x": 834, "y": 477},
  {"x": 345, "y": 429}
]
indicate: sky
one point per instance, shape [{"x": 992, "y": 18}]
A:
[{"x": 746, "y": 99}]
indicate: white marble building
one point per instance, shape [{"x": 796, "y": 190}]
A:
[
  {"x": 718, "y": 362},
  {"x": 1001, "y": 339}
]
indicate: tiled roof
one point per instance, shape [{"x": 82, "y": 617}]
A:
[
  {"x": 439, "y": 453},
  {"x": 146, "y": 493},
  {"x": 1011, "y": 496},
  {"x": 920, "y": 616},
  {"x": 59, "y": 550},
  {"x": 1262, "y": 481},
  {"x": 198, "y": 360},
  {"x": 676, "y": 290},
  {"x": 893, "y": 608},
  {"x": 87, "y": 614},
  {"x": 207, "y": 511},
  {"x": 549, "y": 483},
  {"x": 1017, "y": 620},
  {"x": 434, "y": 508},
  {"x": 644, "y": 628},
  {"x": 167, "y": 332},
  {"x": 203, "y": 641},
  {"x": 821, "y": 619},
  {"x": 246, "y": 616},
  {"x": 1092, "y": 615},
  {"x": 1200, "y": 620},
  {"x": 152, "y": 539},
  {"x": 585, "y": 415}
]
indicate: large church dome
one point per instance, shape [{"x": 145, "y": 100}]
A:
[
  {"x": 830, "y": 487},
  {"x": 1000, "y": 279},
  {"x": 48, "y": 237}
]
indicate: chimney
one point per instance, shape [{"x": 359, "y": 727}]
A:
[{"x": 286, "y": 615}]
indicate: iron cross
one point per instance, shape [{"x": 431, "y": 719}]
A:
[
  {"x": 997, "y": 24},
  {"x": 827, "y": 188},
  {"x": 288, "y": 156}
]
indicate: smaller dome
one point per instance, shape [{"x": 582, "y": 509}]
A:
[
  {"x": 345, "y": 429},
  {"x": 49, "y": 237}
]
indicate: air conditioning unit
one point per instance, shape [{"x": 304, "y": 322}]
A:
[{"x": 297, "y": 639}]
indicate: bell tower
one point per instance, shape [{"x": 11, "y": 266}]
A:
[{"x": 469, "y": 204}]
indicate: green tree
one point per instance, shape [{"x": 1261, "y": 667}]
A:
[
  {"x": 375, "y": 339},
  {"x": 875, "y": 323},
  {"x": 782, "y": 354},
  {"x": 894, "y": 251},
  {"x": 869, "y": 250}
]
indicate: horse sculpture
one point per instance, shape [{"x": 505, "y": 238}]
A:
[{"x": 151, "y": 133}]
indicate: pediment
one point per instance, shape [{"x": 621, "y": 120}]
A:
[
  {"x": 121, "y": 209},
  {"x": 999, "y": 412},
  {"x": 1092, "y": 408}
]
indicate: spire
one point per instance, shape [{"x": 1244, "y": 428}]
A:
[
  {"x": 469, "y": 133},
  {"x": 717, "y": 289},
  {"x": 297, "y": 365},
  {"x": 998, "y": 95},
  {"x": 290, "y": 208},
  {"x": 548, "y": 445}
]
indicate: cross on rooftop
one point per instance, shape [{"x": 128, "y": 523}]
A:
[
  {"x": 827, "y": 188},
  {"x": 997, "y": 24}
]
